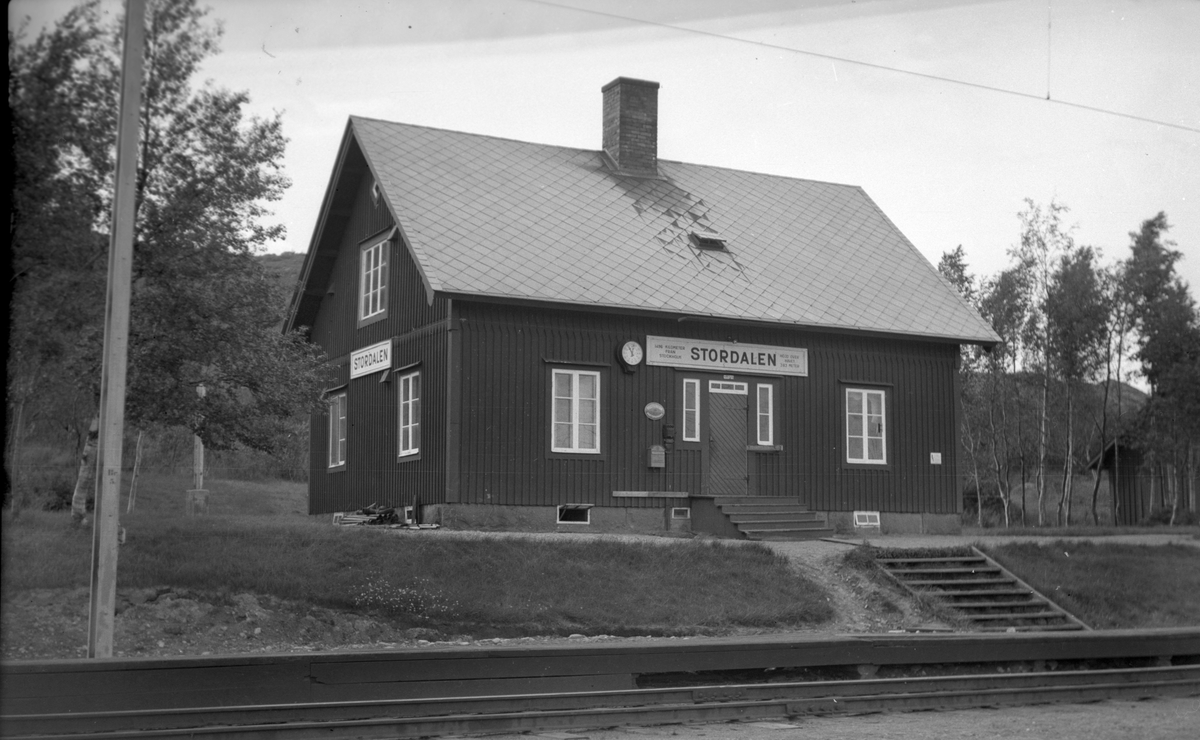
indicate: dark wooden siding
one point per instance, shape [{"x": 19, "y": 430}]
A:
[
  {"x": 419, "y": 330},
  {"x": 335, "y": 328},
  {"x": 505, "y": 456}
]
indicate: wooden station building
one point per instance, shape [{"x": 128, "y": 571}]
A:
[{"x": 537, "y": 337}]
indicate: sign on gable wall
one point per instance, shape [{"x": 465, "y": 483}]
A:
[
  {"x": 371, "y": 359},
  {"x": 726, "y": 357}
]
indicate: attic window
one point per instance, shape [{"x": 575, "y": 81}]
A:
[
  {"x": 375, "y": 192},
  {"x": 708, "y": 240}
]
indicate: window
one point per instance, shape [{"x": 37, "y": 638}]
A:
[
  {"x": 337, "y": 430},
  {"x": 373, "y": 281},
  {"x": 691, "y": 410},
  {"x": 722, "y": 386},
  {"x": 766, "y": 419},
  {"x": 576, "y": 411},
  {"x": 575, "y": 514},
  {"x": 410, "y": 414},
  {"x": 866, "y": 426}
]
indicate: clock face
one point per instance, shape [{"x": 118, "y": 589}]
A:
[{"x": 631, "y": 353}]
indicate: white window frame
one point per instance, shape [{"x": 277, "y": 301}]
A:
[
  {"x": 865, "y": 437},
  {"x": 372, "y": 281},
  {"x": 728, "y": 386},
  {"x": 575, "y": 401},
  {"x": 410, "y": 410},
  {"x": 691, "y": 405},
  {"x": 768, "y": 414},
  {"x": 338, "y": 415}
]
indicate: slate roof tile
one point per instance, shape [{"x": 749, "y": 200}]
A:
[{"x": 497, "y": 217}]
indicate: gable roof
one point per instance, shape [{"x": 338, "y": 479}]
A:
[{"x": 495, "y": 218}]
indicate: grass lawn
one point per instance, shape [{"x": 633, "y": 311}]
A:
[
  {"x": 1110, "y": 585},
  {"x": 255, "y": 540}
]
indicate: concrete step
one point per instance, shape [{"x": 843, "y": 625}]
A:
[
  {"x": 780, "y": 524},
  {"x": 981, "y": 591},
  {"x": 775, "y": 516},
  {"x": 980, "y": 570},
  {"x": 763, "y": 509},
  {"x": 786, "y": 500},
  {"x": 975, "y": 605}
]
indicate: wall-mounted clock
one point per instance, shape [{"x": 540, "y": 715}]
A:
[{"x": 631, "y": 354}]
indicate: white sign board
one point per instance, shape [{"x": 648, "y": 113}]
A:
[
  {"x": 371, "y": 359},
  {"x": 756, "y": 359}
]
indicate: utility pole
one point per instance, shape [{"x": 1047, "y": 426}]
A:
[{"x": 101, "y": 614}]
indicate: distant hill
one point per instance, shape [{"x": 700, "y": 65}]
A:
[{"x": 285, "y": 266}]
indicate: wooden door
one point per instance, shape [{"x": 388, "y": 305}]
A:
[{"x": 727, "y": 470}]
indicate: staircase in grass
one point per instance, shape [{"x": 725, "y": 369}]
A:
[
  {"x": 770, "y": 518},
  {"x": 981, "y": 590}
]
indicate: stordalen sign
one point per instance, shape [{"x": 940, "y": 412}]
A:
[
  {"x": 371, "y": 359},
  {"x": 726, "y": 356}
]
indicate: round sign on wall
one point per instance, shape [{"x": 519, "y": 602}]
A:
[{"x": 655, "y": 410}]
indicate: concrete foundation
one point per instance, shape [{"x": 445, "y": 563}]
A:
[
  {"x": 613, "y": 520},
  {"x": 895, "y": 523},
  {"x": 617, "y": 520}
]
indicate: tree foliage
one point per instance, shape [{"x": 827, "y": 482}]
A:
[
  {"x": 1053, "y": 391},
  {"x": 203, "y": 310}
]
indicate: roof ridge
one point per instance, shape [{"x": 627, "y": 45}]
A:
[{"x": 661, "y": 160}]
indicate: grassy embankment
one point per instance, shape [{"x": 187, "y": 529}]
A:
[
  {"x": 1111, "y": 585},
  {"x": 256, "y": 540}
]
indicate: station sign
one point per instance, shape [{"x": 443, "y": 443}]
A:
[
  {"x": 755, "y": 359},
  {"x": 371, "y": 359}
]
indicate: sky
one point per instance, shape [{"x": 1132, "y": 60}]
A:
[{"x": 948, "y": 113}]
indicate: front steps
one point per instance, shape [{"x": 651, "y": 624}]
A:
[
  {"x": 761, "y": 518},
  {"x": 987, "y": 596}
]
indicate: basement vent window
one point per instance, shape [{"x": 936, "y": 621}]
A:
[
  {"x": 708, "y": 240},
  {"x": 681, "y": 512},
  {"x": 575, "y": 514},
  {"x": 866, "y": 519}
]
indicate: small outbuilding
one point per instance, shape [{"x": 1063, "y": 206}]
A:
[{"x": 536, "y": 337}]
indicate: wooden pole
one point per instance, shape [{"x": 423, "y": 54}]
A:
[
  {"x": 197, "y": 462},
  {"x": 105, "y": 531}
]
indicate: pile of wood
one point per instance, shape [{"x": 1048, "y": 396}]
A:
[{"x": 393, "y": 517}]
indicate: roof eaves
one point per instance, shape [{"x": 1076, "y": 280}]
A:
[
  {"x": 992, "y": 337},
  {"x": 631, "y": 308},
  {"x": 306, "y": 275},
  {"x": 430, "y": 280}
]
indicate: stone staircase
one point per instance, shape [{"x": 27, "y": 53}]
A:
[
  {"x": 983, "y": 592},
  {"x": 769, "y": 518}
]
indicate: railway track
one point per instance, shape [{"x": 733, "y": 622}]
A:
[{"x": 1071, "y": 669}]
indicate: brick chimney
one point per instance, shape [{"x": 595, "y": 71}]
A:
[{"x": 631, "y": 125}]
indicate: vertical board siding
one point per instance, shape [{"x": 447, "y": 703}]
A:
[
  {"x": 335, "y": 327},
  {"x": 374, "y": 473},
  {"x": 506, "y": 411}
]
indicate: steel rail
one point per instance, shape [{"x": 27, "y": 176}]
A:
[{"x": 575, "y": 710}]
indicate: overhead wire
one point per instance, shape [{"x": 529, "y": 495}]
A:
[{"x": 871, "y": 65}]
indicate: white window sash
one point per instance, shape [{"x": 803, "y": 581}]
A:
[
  {"x": 576, "y": 401},
  {"x": 410, "y": 415},
  {"x": 864, "y": 438},
  {"x": 765, "y": 413},
  {"x": 691, "y": 406},
  {"x": 337, "y": 430},
  {"x": 372, "y": 281}
]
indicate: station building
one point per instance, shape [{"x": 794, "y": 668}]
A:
[{"x": 537, "y": 337}]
